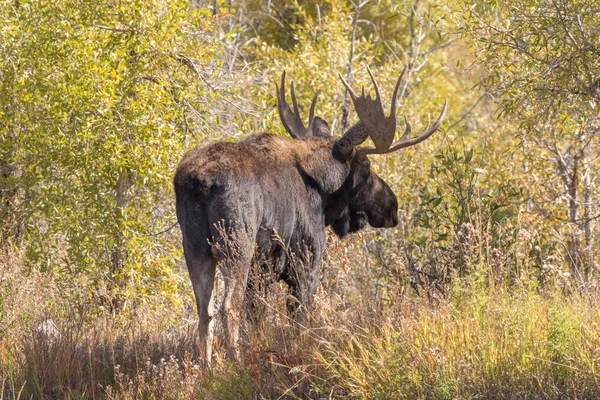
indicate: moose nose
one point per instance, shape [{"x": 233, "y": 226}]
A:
[{"x": 391, "y": 222}]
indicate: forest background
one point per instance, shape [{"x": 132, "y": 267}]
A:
[{"x": 487, "y": 288}]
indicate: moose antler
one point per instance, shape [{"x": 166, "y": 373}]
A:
[
  {"x": 291, "y": 120},
  {"x": 382, "y": 129}
]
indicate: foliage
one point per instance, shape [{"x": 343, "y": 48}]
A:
[
  {"x": 463, "y": 211},
  {"x": 471, "y": 296},
  {"x": 477, "y": 342},
  {"x": 279, "y": 23},
  {"x": 540, "y": 58},
  {"x": 97, "y": 102}
]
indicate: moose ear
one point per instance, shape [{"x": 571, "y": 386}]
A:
[
  {"x": 362, "y": 166},
  {"x": 343, "y": 149},
  {"x": 321, "y": 128}
]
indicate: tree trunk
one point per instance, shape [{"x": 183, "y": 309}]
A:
[
  {"x": 11, "y": 219},
  {"x": 569, "y": 172},
  {"x": 588, "y": 221},
  {"x": 118, "y": 254}
]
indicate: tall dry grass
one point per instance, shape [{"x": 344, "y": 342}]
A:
[{"x": 475, "y": 342}]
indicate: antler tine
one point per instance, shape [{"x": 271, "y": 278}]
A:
[
  {"x": 311, "y": 114},
  {"x": 291, "y": 119},
  {"x": 372, "y": 119},
  {"x": 378, "y": 96},
  {"x": 382, "y": 129},
  {"x": 294, "y": 102},
  {"x": 282, "y": 106},
  {"x": 428, "y": 131},
  {"x": 352, "y": 94},
  {"x": 407, "y": 130},
  {"x": 404, "y": 141},
  {"x": 395, "y": 95}
]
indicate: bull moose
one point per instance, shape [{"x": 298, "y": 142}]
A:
[
  {"x": 373, "y": 202},
  {"x": 232, "y": 198}
]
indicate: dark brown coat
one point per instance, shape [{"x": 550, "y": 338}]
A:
[{"x": 254, "y": 189}]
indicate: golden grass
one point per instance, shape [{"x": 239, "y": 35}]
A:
[{"x": 475, "y": 343}]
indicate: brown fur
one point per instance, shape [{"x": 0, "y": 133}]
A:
[{"x": 252, "y": 190}]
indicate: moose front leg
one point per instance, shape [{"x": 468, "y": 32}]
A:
[
  {"x": 313, "y": 277},
  {"x": 302, "y": 276}
]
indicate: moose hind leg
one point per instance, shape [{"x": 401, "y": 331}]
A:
[
  {"x": 202, "y": 274},
  {"x": 235, "y": 269}
]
